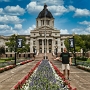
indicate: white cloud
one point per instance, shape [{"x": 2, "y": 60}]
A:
[
  {"x": 71, "y": 8},
  {"x": 18, "y": 26},
  {"x": 1, "y": 11},
  {"x": 82, "y": 12},
  {"x": 14, "y": 10},
  {"x": 6, "y": 19},
  {"x": 65, "y": 31},
  {"x": 27, "y": 31},
  {"x": 57, "y": 10},
  {"x": 88, "y": 29},
  {"x": 49, "y": 2},
  {"x": 80, "y": 31},
  {"x": 4, "y": 27},
  {"x": 33, "y": 7},
  {"x": 85, "y": 23},
  {"x": 6, "y": 30}
]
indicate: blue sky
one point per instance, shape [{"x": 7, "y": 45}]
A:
[{"x": 19, "y": 16}]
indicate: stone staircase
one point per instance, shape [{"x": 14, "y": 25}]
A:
[{"x": 40, "y": 56}]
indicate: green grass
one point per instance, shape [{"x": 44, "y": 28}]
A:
[
  {"x": 5, "y": 60},
  {"x": 2, "y": 60},
  {"x": 88, "y": 60}
]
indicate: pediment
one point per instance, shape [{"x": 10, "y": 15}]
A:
[{"x": 45, "y": 27}]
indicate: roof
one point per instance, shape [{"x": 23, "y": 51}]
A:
[{"x": 45, "y": 13}]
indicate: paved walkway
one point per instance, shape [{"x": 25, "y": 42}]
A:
[{"x": 79, "y": 78}]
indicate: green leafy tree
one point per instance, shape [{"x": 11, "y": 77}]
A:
[
  {"x": 12, "y": 44},
  {"x": 86, "y": 40},
  {"x": 81, "y": 42},
  {"x": 78, "y": 43},
  {"x": 2, "y": 51}
]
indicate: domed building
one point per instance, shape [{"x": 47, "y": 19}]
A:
[{"x": 45, "y": 36}]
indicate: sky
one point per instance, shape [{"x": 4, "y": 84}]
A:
[{"x": 19, "y": 16}]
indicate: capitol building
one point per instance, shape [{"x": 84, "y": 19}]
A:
[{"x": 44, "y": 38}]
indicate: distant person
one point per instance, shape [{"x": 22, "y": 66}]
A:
[{"x": 66, "y": 62}]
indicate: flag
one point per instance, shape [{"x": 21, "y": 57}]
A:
[
  {"x": 19, "y": 43},
  {"x": 71, "y": 42}
]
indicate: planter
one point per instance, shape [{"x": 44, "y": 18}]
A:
[{"x": 84, "y": 67}]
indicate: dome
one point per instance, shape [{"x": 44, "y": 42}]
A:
[{"x": 45, "y": 13}]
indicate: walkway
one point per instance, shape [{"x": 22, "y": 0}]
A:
[{"x": 79, "y": 78}]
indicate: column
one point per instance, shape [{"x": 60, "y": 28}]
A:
[
  {"x": 59, "y": 45},
  {"x": 47, "y": 46},
  {"x": 42, "y": 46},
  {"x": 37, "y": 46},
  {"x": 31, "y": 45},
  {"x": 53, "y": 45}
]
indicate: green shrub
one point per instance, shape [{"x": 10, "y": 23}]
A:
[{"x": 82, "y": 58}]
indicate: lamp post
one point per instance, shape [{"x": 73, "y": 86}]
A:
[
  {"x": 15, "y": 48},
  {"x": 74, "y": 49},
  {"x": 45, "y": 8}
]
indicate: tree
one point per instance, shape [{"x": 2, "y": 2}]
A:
[
  {"x": 78, "y": 43},
  {"x": 2, "y": 51},
  {"x": 81, "y": 42},
  {"x": 12, "y": 44}
]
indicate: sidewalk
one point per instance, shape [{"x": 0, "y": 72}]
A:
[
  {"x": 79, "y": 78},
  {"x": 9, "y": 78}
]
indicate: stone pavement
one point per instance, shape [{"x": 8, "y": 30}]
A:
[{"x": 79, "y": 78}]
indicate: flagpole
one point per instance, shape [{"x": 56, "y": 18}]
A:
[{"x": 45, "y": 31}]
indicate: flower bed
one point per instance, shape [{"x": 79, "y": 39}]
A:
[
  {"x": 44, "y": 76},
  {"x": 12, "y": 66},
  {"x": 86, "y": 68},
  {"x": 23, "y": 81},
  {"x": 24, "y": 62},
  {"x": 7, "y": 68}
]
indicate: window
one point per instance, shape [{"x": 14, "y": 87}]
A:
[
  {"x": 6, "y": 49},
  {"x": 47, "y": 22},
  {"x": 56, "y": 42},
  {"x": 10, "y": 49},
  {"x": 61, "y": 43},
  {"x": 33, "y": 42},
  {"x": 40, "y": 42},
  {"x": 61, "y": 49},
  {"x": 10, "y": 55}
]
